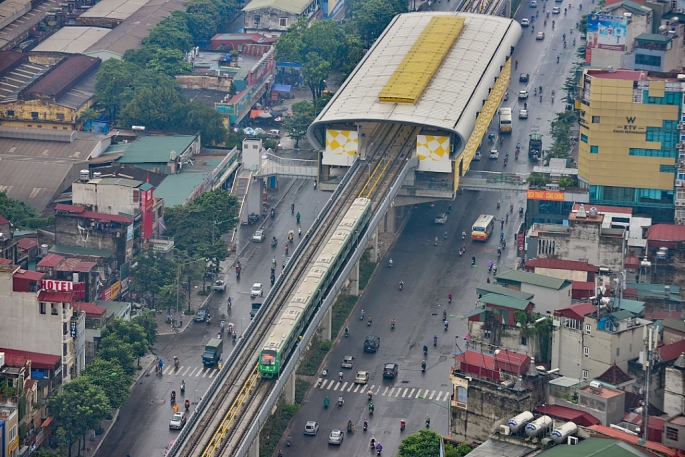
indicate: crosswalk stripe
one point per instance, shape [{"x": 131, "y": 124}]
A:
[
  {"x": 439, "y": 396},
  {"x": 391, "y": 392},
  {"x": 411, "y": 393},
  {"x": 405, "y": 393},
  {"x": 398, "y": 392},
  {"x": 337, "y": 386},
  {"x": 343, "y": 386},
  {"x": 205, "y": 372},
  {"x": 193, "y": 372},
  {"x": 329, "y": 383},
  {"x": 212, "y": 373},
  {"x": 349, "y": 389},
  {"x": 184, "y": 373},
  {"x": 384, "y": 392},
  {"x": 418, "y": 394},
  {"x": 431, "y": 397}
]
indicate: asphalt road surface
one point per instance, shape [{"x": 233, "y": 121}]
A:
[
  {"x": 142, "y": 428},
  {"x": 429, "y": 274}
]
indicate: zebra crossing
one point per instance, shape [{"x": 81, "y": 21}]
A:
[
  {"x": 386, "y": 391},
  {"x": 190, "y": 372}
]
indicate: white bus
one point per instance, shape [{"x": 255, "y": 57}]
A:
[
  {"x": 505, "y": 120},
  {"x": 482, "y": 228}
]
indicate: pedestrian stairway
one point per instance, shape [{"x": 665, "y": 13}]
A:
[
  {"x": 190, "y": 372},
  {"x": 385, "y": 391}
]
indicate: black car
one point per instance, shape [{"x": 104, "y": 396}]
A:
[
  {"x": 201, "y": 315},
  {"x": 523, "y": 77},
  {"x": 372, "y": 343},
  {"x": 390, "y": 370}
]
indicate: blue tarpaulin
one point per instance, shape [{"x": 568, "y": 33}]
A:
[{"x": 281, "y": 87}]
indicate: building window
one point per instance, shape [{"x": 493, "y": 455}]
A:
[
  {"x": 583, "y": 138},
  {"x": 282, "y": 22},
  {"x": 53, "y": 309},
  {"x": 34, "y": 115},
  {"x": 667, "y": 169},
  {"x": 524, "y": 341},
  {"x": 595, "y": 119},
  {"x": 643, "y": 59},
  {"x": 41, "y": 307},
  {"x": 618, "y": 352},
  {"x": 586, "y": 352},
  {"x": 594, "y": 149},
  {"x": 29, "y": 126},
  {"x": 487, "y": 334},
  {"x": 10, "y": 113},
  {"x": 257, "y": 19},
  {"x": 671, "y": 433},
  {"x": 60, "y": 116},
  {"x": 585, "y": 374},
  {"x": 39, "y": 126},
  {"x": 588, "y": 328}
]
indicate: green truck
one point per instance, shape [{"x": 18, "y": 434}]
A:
[
  {"x": 535, "y": 147},
  {"x": 213, "y": 351}
]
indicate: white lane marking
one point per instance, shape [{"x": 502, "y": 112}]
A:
[
  {"x": 439, "y": 395},
  {"x": 193, "y": 372},
  {"x": 206, "y": 372},
  {"x": 184, "y": 373},
  {"x": 398, "y": 392},
  {"x": 405, "y": 393},
  {"x": 411, "y": 393},
  {"x": 356, "y": 389},
  {"x": 391, "y": 392},
  {"x": 343, "y": 386},
  {"x": 212, "y": 373},
  {"x": 384, "y": 392},
  {"x": 349, "y": 389},
  {"x": 330, "y": 384},
  {"x": 431, "y": 397},
  {"x": 337, "y": 386},
  {"x": 418, "y": 393}
]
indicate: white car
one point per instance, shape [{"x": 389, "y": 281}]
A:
[
  {"x": 525, "y": 22},
  {"x": 523, "y": 114},
  {"x": 441, "y": 219},
  {"x": 348, "y": 362},
  {"x": 477, "y": 155},
  {"x": 494, "y": 154},
  {"x": 362, "y": 377},
  {"x": 336, "y": 436},
  {"x": 177, "y": 421},
  {"x": 220, "y": 286},
  {"x": 311, "y": 428},
  {"x": 257, "y": 289},
  {"x": 258, "y": 236},
  {"x": 556, "y": 10},
  {"x": 533, "y": 3},
  {"x": 523, "y": 94}
]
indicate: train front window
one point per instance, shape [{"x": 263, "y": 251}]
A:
[{"x": 268, "y": 358}]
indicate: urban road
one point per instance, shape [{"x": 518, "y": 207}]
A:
[{"x": 430, "y": 273}]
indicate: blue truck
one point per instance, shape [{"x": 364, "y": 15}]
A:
[{"x": 213, "y": 351}]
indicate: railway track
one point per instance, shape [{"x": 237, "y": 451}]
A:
[{"x": 234, "y": 407}]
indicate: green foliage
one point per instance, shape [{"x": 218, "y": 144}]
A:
[
  {"x": 342, "y": 307},
  {"x": 43, "y": 452},
  {"x": 16, "y": 211},
  {"x": 157, "y": 108},
  {"x": 309, "y": 366},
  {"x": 459, "y": 450},
  {"x": 152, "y": 271},
  {"x": 80, "y": 407},
  {"x": 149, "y": 324},
  {"x": 567, "y": 181},
  {"x": 171, "y": 33},
  {"x": 373, "y": 16},
  {"x": 113, "y": 350},
  {"x": 562, "y": 133},
  {"x": 425, "y": 443},
  {"x": 366, "y": 268},
  {"x": 111, "y": 378},
  {"x": 89, "y": 114},
  {"x": 582, "y": 24},
  {"x": 129, "y": 332},
  {"x": 6, "y": 390},
  {"x": 203, "y": 19},
  {"x": 537, "y": 179},
  {"x": 301, "y": 388},
  {"x": 273, "y": 429},
  {"x": 206, "y": 120},
  {"x": 171, "y": 297},
  {"x": 296, "y": 124},
  {"x": 235, "y": 139},
  {"x": 169, "y": 62}
]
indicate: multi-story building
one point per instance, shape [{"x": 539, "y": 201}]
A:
[
  {"x": 39, "y": 320},
  {"x": 8, "y": 245},
  {"x": 9, "y": 431},
  {"x": 273, "y": 17},
  {"x": 629, "y": 139},
  {"x": 587, "y": 340}
]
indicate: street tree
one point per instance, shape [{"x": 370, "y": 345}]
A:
[
  {"x": 169, "y": 62},
  {"x": 114, "y": 83},
  {"x": 81, "y": 406},
  {"x": 202, "y": 118},
  {"x": 129, "y": 332},
  {"x": 171, "y": 297},
  {"x": 156, "y": 108},
  {"x": 297, "y": 123},
  {"x": 89, "y": 114},
  {"x": 152, "y": 271},
  {"x": 203, "y": 19},
  {"x": 149, "y": 324},
  {"x": 111, "y": 378},
  {"x": 425, "y": 443},
  {"x": 314, "y": 72},
  {"x": 114, "y": 350},
  {"x": 171, "y": 33},
  {"x": 372, "y": 17},
  {"x": 16, "y": 211}
]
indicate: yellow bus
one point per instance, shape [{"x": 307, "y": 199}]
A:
[
  {"x": 482, "y": 228},
  {"x": 505, "y": 120}
]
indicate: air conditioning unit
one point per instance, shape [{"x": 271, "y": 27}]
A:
[
  {"x": 680, "y": 145},
  {"x": 681, "y": 125},
  {"x": 504, "y": 430},
  {"x": 680, "y": 203},
  {"x": 679, "y": 10},
  {"x": 679, "y": 182}
]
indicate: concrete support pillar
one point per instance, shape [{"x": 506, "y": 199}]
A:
[
  {"x": 254, "y": 449},
  {"x": 389, "y": 222},
  {"x": 325, "y": 324},
  {"x": 289, "y": 390},
  {"x": 354, "y": 280},
  {"x": 373, "y": 244}
]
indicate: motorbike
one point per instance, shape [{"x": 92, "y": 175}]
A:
[
  {"x": 401, "y": 285},
  {"x": 274, "y": 241},
  {"x": 379, "y": 448},
  {"x": 521, "y": 212},
  {"x": 183, "y": 387},
  {"x": 498, "y": 204},
  {"x": 347, "y": 332},
  {"x": 176, "y": 362},
  {"x": 435, "y": 340},
  {"x": 273, "y": 213},
  {"x": 368, "y": 321},
  {"x": 369, "y": 394},
  {"x": 425, "y": 349},
  {"x": 390, "y": 264},
  {"x": 371, "y": 408},
  {"x": 341, "y": 401},
  {"x": 461, "y": 252},
  {"x": 373, "y": 443},
  {"x": 237, "y": 272},
  {"x": 289, "y": 441},
  {"x": 435, "y": 242},
  {"x": 392, "y": 324},
  {"x": 402, "y": 425},
  {"x": 423, "y": 367},
  {"x": 209, "y": 320},
  {"x": 187, "y": 404},
  {"x": 173, "y": 396},
  {"x": 446, "y": 325},
  {"x": 366, "y": 424},
  {"x": 428, "y": 422},
  {"x": 326, "y": 402}
]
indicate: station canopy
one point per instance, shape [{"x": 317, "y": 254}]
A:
[{"x": 429, "y": 69}]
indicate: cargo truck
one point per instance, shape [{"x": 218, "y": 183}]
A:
[
  {"x": 255, "y": 308},
  {"x": 213, "y": 351},
  {"x": 535, "y": 147}
]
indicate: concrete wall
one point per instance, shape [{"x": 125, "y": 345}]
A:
[
  {"x": 269, "y": 20},
  {"x": 657, "y": 379},
  {"x": 67, "y": 233},
  {"x": 204, "y": 82},
  {"x": 105, "y": 198},
  {"x": 608, "y": 410},
  {"x": 23, "y": 327},
  {"x": 569, "y": 275},
  {"x": 669, "y": 428},
  {"x": 48, "y": 114},
  {"x": 548, "y": 299},
  {"x": 567, "y": 351},
  {"x": 607, "y": 348},
  {"x": 674, "y": 391},
  {"x": 488, "y": 407}
]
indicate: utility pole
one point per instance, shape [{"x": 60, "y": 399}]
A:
[{"x": 650, "y": 345}]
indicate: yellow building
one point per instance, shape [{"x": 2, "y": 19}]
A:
[
  {"x": 628, "y": 139},
  {"x": 9, "y": 430}
]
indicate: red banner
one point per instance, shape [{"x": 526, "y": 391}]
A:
[{"x": 545, "y": 195}]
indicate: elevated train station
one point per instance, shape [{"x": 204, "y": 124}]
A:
[{"x": 441, "y": 74}]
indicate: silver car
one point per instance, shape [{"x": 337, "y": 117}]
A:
[
  {"x": 177, "y": 421},
  {"x": 311, "y": 428},
  {"x": 336, "y": 436}
]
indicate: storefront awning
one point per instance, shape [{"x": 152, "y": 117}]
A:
[{"x": 281, "y": 87}]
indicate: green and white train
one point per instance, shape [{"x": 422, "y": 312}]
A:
[{"x": 285, "y": 331}]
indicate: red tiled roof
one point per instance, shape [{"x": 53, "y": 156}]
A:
[
  {"x": 666, "y": 232},
  {"x": 477, "y": 358},
  {"x": 511, "y": 361},
  {"x": 583, "y": 285},
  {"x": 16, "y": 358},
  {"x": 56, "y": 297},
  {"x": 614, "y": 376},
  {"x": 670, "y": 352},
  {"x": 603, "y": 209},
  {"x": 3, "y": 220},
  {"x": 68, "y": 264},
  {"x": 631, "y": 261},
  {"x": 663, "y": 315},
  {"x": 69, "y": 208},
  {"x": 50, "y": 261},
  {"x": 91, "y": 309},
  {"x": 27, "y": 243},
  {"x": 560, "y": 264},
  {"x": 577, "y": 311},
  {"x": 4, "y": 261},
  {"x": 85, "y": 267},
  {"x": 29, "y": 275},
  {"x": 569, "y": 414},
  {"x": 628, "y": 438}
]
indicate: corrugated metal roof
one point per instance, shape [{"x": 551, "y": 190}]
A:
[
  {"x": 492, "y": 288},
  {"x": 666, "y": 232},
  {"x": 614, "y": 376},
  {"x": 675, "y": 324},
  {"x": 505, "y": 302},
  {"x": 114, "y": 9},
  {"x": 16, "y": 358},
  {"x": 156, "y": 149},
  {"x": 518, "y": 276},
  {"x": 291, "y": 6},
  {"x": 455, "y": 92},
  {"x": 72, "y": 40},
  {"x": 177, "y": 189},
  {"x": 561, "y": 264},
  {"x": 63, "y": 77},
  {"x": 577, "y": 311}
]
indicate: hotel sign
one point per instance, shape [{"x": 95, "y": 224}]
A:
[
  {"x": 57, "y": 286},
  {"x": 545, "y": 195}
]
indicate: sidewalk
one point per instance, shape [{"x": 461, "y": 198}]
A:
[
  {"x": 196, "y": 301},
  {"x": 93, "y": 442}
]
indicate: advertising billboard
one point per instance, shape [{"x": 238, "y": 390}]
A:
[
  {"x": 341, "y": 147},
  {"x": 606, "y": 32},
  {"x": 433, "y": 152}
]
